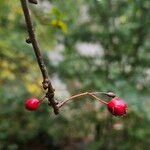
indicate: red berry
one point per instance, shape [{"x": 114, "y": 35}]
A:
[
  {"x": 117, "y": 106},
  {"x": 32, "y": 104}
]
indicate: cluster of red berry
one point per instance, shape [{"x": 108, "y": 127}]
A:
[{"x": 116, "y": 105}]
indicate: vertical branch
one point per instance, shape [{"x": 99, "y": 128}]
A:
[{"x": 32, "y": 39}]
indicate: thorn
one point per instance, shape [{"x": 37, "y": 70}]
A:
[{"x": 33, "y": 1}]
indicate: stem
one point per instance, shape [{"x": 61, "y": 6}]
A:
[
  {"x": 100, "y": 100},
  {"x": 42, "y": 99},
  {"x": 70, "y": 98},
  {"x": 46, "y": 81},
  {"x": 79, "y": 95},
  {"x": 109, "y": 94}
]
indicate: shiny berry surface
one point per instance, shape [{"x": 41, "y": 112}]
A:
[
  {"x": 117, "y": 106},
  {"x": 32, "y": 104}
]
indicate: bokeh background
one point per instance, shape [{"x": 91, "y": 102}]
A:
[{"x": 87, "y": 45}]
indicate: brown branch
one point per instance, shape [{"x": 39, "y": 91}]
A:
[
  {"x": 46, "y": 81},
  {"x": 97, "y": 98}
]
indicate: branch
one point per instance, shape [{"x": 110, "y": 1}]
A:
[
  {"x": 32, "y": 39},
  {"x": 46, "y": 81}
]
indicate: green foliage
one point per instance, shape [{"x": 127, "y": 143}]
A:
[{"x": 122, "y": 29}]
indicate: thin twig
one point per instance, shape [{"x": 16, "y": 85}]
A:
[
  {"x": 109, "y": 94},
  {"x": 100, "y": 100},
  {"x": 46, "y": 81},
  {"x": 79, "y": 95},
  {"x": 70, "y": 98},
  {"x": 42, "y": 99}
]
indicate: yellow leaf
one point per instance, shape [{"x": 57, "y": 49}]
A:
[{"x": 60, "y": 24}]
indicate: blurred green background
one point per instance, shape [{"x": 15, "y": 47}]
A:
[{"x": 94, "y": 45}]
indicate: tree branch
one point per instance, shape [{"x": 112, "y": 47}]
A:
[{"x": 32, "y": 39}]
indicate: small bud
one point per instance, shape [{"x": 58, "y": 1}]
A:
[
  {"x": 28, "y": 40},
  {"x": 33, "y": 1}
]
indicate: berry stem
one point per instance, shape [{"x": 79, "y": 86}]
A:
[
  {"x": 71, "y": 98},
  {"x": 109, "y": 94},
  {"x": 100, "y": 100},
  {"x": 79, "y": 95},
  {"x": 42, "y": 99}
]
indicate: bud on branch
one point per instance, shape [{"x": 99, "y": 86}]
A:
[{"x": 33, "y": 1}]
